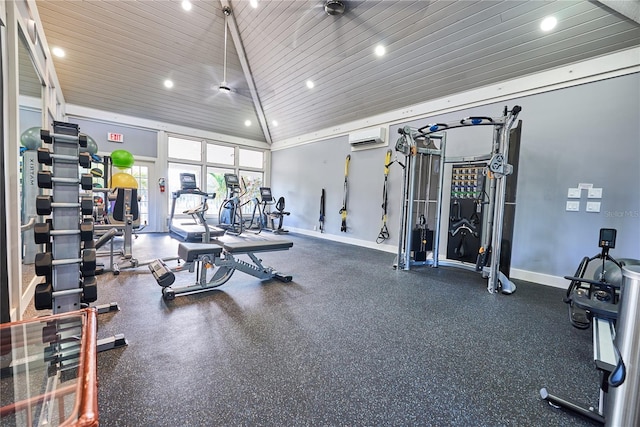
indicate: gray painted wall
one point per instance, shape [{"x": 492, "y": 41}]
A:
[
  {"x": 139, "y": 142},
  {"x": 583, "y": 134}
]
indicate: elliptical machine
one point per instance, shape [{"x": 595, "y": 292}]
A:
[{"x": 230, "y": 214}]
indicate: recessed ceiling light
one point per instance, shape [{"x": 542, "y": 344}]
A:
[
  {"x": 274, "y": 123},
  {"x": 310, "y": 84},
  {"x": 548, "y": 23},
  {"x": 168, "y": 84},
  {"x": 380, "y": 50},
  {"x": 58, "y": 51},
  {"x": 253, "y": 3},
  {"x": 186, "y": 5},
  {"x": 247, "y": 123}
]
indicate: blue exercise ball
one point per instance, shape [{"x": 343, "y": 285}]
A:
[
  {"x": 30, "y": 138},
  {"x": 92, "y": 146}
]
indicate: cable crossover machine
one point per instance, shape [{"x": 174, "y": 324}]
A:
[{"x": 476, "y": 236}]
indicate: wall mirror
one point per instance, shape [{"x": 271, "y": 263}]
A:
[{"x": 30, "y": 91}]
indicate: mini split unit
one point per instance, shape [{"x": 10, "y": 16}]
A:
[{"x": 368, "y": 138}]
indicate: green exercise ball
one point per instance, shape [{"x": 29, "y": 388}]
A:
[
  {"x": 30, "y": 138},
  {"x": 122, "y": 159}
]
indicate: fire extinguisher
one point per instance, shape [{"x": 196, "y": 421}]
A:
[{"x": 161, "y": 184}]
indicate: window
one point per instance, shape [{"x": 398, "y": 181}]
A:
[
  {"x": 186, "y": 201},
  {"x": 209, "y": 161},
  {"x": 251, "y": 181},
  {"x": 251, "y": 159},
  {"x": 185, "y": 149},
  {"x": 220, "y": 154},
  {"x": 141, "y": 174},
  {"x": 215, "y": 184}
]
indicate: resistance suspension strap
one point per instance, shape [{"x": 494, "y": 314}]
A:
[
  {"x": 343, "y": 211},
  {"x": 384, "y": 232},
  {"x": 321, "y": 226}
]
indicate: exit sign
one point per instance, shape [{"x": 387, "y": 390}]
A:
[{"x": 115, "y": 137}]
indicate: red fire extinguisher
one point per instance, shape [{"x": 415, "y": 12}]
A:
[{"x": 161, "y": 184}]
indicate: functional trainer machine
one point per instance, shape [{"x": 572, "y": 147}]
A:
[
  {"x": 480, "y": 199},
  {"x": 609, "y": 303},
  {"x": 215, "y": 263}
]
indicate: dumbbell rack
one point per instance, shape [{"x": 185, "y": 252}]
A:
[
  {"x": 69, "y": 261},
  {"x": 69, "y": 272}
]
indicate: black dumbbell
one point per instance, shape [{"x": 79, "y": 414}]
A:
[
  {"x": 44, "y": 296},
  {"x": 44, "y": 263},
  {"x": 89, "y": 289},
  {"x": 48, "y": 137},
  {"x": 45, "y": 204},
  {"x": 42, "y": 232},
  {"x": 46, "y": 180},
  {"x": 46, "y": 157}
]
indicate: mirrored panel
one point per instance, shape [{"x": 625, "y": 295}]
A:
[{"x": 30, "y": 90}]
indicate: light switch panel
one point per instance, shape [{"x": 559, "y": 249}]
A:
[
  {"x": 573, "y": 206},
  {"x": 573, "y": 193},
  {"x": 595, "y": 193},
  {"x": 593, "y": 206}
]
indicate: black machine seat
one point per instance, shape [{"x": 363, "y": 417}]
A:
[
  {"x": 119, "y": 208},
  {"x": 241, "y": 245},
  {"x": 191, "y": 251}
]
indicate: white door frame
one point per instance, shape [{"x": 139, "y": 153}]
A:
[{"x": 155, "y": 219}]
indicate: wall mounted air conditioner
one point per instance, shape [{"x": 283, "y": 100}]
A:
[{"x": 368, "y": 138}]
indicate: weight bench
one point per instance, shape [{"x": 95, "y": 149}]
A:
[{"x": 220, "y": 253}]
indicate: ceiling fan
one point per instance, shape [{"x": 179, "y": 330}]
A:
[
  {"x": 340, "y": 20},
  {"x": 224, "y": 86}
]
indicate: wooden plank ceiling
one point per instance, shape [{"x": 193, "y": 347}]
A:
[{"x": 120, "y": 52}]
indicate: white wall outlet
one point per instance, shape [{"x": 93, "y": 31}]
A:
[
  {"x": 573, "y": 206},
  {"x": 595, "y": 193},
  {"x": 593, "y": 206},
  {"x": 573, "y": 193}
]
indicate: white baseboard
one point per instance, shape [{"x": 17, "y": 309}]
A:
[
  {"x": 541, "y": 278},
  {"x": 529, "y": 276},
  {"x": 344, "y": 239}
]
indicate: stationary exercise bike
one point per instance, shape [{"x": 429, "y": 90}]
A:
[{"x": 271, "y": 216}]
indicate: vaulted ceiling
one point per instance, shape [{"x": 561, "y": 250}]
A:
[{"x": 119, "y": 53}]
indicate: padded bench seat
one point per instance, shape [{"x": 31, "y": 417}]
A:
[
  {"x": 243, "y": 245},
  {"x": 191, "y": 251}
]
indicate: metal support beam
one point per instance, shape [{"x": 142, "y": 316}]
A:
[{"x": 244, "y": 62}]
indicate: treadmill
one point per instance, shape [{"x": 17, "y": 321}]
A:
[{"x": 190, "y": 230}]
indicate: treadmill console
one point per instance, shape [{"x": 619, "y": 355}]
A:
[
  {"x": 188, "y": 181},
  {"x": 607, "y": 238}
]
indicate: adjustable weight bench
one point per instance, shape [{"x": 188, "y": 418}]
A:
[{"x": 219, "y": 256}]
